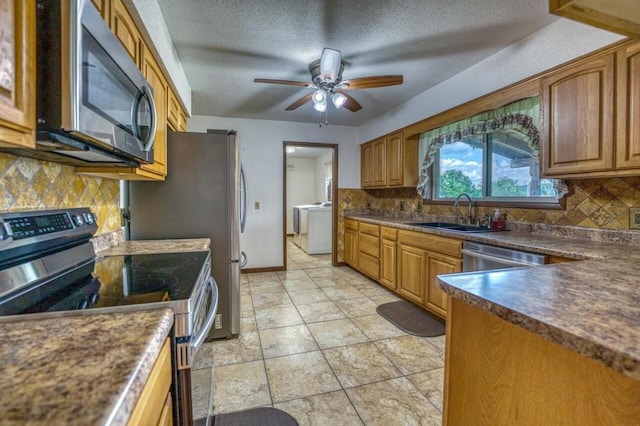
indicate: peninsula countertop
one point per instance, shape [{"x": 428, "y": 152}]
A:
[
  {"x": 78, "y": 370},
  {"x": 591, "y": 306}
]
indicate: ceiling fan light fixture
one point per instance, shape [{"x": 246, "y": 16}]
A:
[
  {"x": 319, "y": 96},
  {"x": 320, "y": 106},
  {"x": 330, "y": 64},
  {"x": 338, "y": 100}
]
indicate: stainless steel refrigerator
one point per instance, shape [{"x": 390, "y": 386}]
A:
[{"x": 203, "y": 196}]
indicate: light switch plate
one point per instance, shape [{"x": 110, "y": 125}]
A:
[{"x": 634, "y": 218}]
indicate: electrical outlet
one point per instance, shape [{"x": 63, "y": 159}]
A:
[
  {"x": 634, "y": 218},
  {"x": 419, "y": 206},
  {"x": 403, "y": 207},
  {"x": 256, "y": 205},
  {"x": 368, "y": 204}
]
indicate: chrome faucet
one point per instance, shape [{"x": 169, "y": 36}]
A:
[{"x": 469, "y": 219}]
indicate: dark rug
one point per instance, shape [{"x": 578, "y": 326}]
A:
[
  {"x": 265, "y": 416},
  {"x": 411, "y": 319}
]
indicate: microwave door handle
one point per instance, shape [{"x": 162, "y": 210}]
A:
[
  {"x": 202, "y": 333},
  {"x": 148, "y": 144}
]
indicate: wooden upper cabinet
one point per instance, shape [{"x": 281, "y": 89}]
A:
[
  {"x": 366, "y": 161},
  {"x": 182, "y": 122},
  {"x": 104, "y": 7},
  {"x": 173, "y": 110},
  {"x": 578, "y": 124},
  {"x": 17, "y": 74},
  {"x": 126, "y": 31},
  {"x": 621, "y": 16},
  {"x": 152, "y": 72},
  {"x": 628, "y": 108},
  {"x": 390, "y": 161},
  {"x": 379, "y": 163}
]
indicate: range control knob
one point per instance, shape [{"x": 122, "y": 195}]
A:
[
  {"x": 88, "y": 218},
  {"x": 78, "y": 220}
]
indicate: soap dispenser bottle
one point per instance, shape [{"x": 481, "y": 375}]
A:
[{"x": 497, "y": 222}]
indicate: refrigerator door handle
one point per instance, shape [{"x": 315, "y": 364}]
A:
[
  {"x": 244, "y": 259},
  {"x": 243, "y": 205}
]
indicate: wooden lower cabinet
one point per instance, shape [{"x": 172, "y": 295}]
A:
[
  {"x": 412, "y": 274},
  {"x": 438, "y": 264},
  {"x": 369, "y": 250},
  {"x": 406, "y": 262},
  {"x": 351, "y": 249},
  {"x": 388, "y": 253},
  {"x": 497, "y": 373},
  {"x": 154, "y": 406}
]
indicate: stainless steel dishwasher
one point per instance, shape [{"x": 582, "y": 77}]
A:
[{"x": 484, "y": 257}]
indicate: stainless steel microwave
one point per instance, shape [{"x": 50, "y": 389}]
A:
[{"x": 94, "y": 106}]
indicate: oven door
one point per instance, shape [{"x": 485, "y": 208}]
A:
[{"x": 114, "y": 103}]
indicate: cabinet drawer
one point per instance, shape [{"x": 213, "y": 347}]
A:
[
  {"x": 443, "y": 245},
  {"x": 367, "y": 228},
  {"x": 369, "y": 265},
  {"x": 369, "y": 245},
  {"x": 390, "y": 234},
  {"x": 351, "y": 224}
]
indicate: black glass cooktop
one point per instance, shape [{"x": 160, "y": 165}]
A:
[{"x": 115, "y": 281}]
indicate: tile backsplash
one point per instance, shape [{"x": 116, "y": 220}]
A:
[
  {"x": 29, "y": 184},
  {"x": 591, "y": 203}
]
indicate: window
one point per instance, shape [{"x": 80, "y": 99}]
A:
[
  {"x": 498, "y": 165},
  {"x": 490, "y": 156}
]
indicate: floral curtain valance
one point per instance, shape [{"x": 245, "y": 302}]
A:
[{"x": 522, "y": 116}]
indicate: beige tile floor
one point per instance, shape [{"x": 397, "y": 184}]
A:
[{"x": 312, "y": 344}]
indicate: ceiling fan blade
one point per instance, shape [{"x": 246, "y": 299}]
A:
[
  {"x": 371, "y": 82},
  {"x": 303, "y": 100},
  {"x": 330, "y": 63},
  {"x": 351, "y": 104},
  {"x": 287, "y": 82}
]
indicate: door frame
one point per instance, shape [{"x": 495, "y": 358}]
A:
[{"x": 334, "y": 195}]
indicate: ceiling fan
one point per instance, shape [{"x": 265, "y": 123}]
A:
[{"x": 326, "y": 77}]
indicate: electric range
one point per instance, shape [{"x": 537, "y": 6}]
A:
[{"x": 48, "y": 267}]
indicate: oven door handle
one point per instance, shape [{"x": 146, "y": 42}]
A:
[
  {"x": 197, "y": 340},
  {"x": 495, "y": 259}
]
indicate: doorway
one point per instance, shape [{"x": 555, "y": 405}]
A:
[{"x": 310, "y": 178}]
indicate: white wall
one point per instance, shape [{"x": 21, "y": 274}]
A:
[
  {"x": 320, "y": 180},
  {"x": 261, "y": 152},
  {"x": 154, "y": 23},
  {"x": 301, "y": 176},
  {"x": 557, "y": 43}
]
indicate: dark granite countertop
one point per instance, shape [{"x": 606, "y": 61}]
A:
[
  {"x": 591, "y": 307},
  {"x": 78, "y": 370}
]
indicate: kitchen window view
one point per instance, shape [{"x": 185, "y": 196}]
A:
[{"x": 494, "y": 165}]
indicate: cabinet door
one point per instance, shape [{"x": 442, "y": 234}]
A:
[
  {"x": 366, "y": 164},
  {"x": 411, "y": 272},
  {"x": 379, "y": 163},
  {"x": 126, "y": 31},
  {"x": 437, "y": 265},
  {"x": 154, "y": 76},
  {"x": 103, "y": 8},
  {"x": 388, "y": 263},
  {"x": 628, "y": 108},
  {"x": 17, "y": 73},
  {"x": 578, "y": 125},
  {"x": 173, "y": 111},
  {"x": 351, "y": 251},
  {"x": 395, "y": 159}
]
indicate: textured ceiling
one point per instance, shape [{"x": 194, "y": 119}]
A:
[{"x": 224, "y": 44}]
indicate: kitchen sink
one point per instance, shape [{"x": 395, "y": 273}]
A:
[{"x": 454, "y": 227}]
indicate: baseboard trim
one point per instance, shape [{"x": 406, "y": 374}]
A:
[{"x": 268, "y": 269}]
